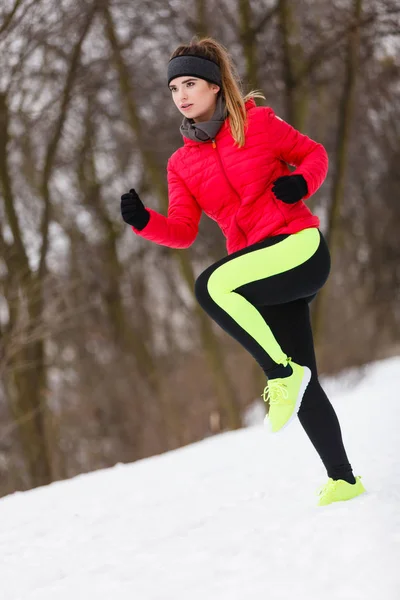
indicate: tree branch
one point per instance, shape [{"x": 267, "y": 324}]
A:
[
  {"x": 265, "y": 19},
  {"x": 55, "y": 139},
  {"x": 329, "y": 45},
  {"x": 8, "y": 18},
  {"x": 5, "y": 182}
]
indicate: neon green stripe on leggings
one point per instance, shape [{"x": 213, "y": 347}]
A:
[{"x": 259, "y": 264}]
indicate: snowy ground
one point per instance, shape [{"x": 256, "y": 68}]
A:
[{"x": 231, "y": 518}]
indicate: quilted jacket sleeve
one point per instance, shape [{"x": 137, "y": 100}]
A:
[
  {"x": 179, "y": 229},
  {"x": 309, "y": 157}
]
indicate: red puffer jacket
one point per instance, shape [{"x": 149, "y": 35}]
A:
[{"x": 233, "y": 185}]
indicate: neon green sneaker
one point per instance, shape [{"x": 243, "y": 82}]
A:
[
  {"x": 337, "y": 491},
  {"x": 284, "y": 396}
]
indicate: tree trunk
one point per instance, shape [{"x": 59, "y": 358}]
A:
[
  {"x": 248, "y": 40},
  {"x": 125, "y": 336},
  {"x": 340, "y": 158},
  {"x": 27, "y": 375},
  {"x": 201, "y": 25},
  {"x": 296, "y": 86}
]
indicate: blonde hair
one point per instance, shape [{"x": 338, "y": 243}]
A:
[{"x": 209, "y": 48}]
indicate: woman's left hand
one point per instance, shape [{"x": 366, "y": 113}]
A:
[{"x": 290, "y": 188}]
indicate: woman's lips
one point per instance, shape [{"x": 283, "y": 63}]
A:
[{"x": 186, "y": 107}]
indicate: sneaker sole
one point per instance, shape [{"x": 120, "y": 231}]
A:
[{"x": 303, "y": 387}]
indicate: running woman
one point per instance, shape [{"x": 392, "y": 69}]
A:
[{"x": 233, "y": 165}]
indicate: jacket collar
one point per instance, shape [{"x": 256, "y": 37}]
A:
[
  {"x": 204, "y": 131},
  {"x": 189, "y": 142}
]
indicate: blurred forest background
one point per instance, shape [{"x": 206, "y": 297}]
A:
[{"x": 105, "y": 356}]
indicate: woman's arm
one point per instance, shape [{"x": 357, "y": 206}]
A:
[
  {"x": 310, "y": 158},
  {"x": 179, "y": 229}
]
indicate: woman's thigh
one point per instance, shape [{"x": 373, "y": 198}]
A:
[
  {"x": 274, "y": 271},
  {"x": 303, "y": 280}
]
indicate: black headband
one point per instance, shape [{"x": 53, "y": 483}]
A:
[{"x": 204, "y": 68}]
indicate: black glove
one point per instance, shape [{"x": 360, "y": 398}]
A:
[
  {"x": 133, "y": 211},
  {"x": 290, "y": 188}
]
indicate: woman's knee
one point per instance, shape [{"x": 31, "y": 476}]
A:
[
  {"x": 209, "y": 286},
  {"x": 200, "y": 286}
]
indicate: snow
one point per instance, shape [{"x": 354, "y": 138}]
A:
[{"x": 232, "y": 517}]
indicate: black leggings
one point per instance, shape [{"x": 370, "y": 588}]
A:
[{"x": 268, "y": 314}]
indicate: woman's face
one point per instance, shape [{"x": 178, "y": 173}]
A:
[{"x": 198, "y": 93}]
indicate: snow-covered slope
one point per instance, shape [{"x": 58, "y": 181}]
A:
[{"x": 233, "y": 517}]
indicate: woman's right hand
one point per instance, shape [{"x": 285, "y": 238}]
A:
[{"x": 133, "y": 211}]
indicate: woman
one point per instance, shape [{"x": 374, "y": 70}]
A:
[{"x": 234, "y": 167}]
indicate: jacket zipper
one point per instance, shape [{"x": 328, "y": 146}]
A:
[{"x": 214, "y": 145}]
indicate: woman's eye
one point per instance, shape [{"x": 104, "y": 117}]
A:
[{"x": 188, "y": 83}]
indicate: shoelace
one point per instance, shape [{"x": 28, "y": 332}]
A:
[
  {"x": 327, "y": 487},
  {"x": 276, "y": 392}
]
